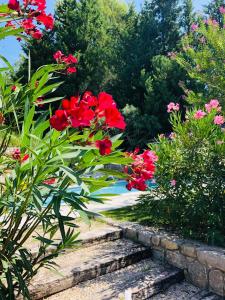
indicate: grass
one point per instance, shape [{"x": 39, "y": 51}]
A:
[{"x": 135, "y": 214}]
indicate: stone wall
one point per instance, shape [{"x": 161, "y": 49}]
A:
[{"x": 203, "y": 266}]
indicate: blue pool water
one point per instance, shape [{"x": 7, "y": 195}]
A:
[{"x": 117, "y": 188}]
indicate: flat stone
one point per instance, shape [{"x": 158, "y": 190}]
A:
[
  {"x": 85, "y": 264},
  {"x": 184, "y": 291},
  {"x": 137, "y": 281},
  {"x": 131, "y": 234},
  {"x": 216, "y": 282},
  {"x": 197, "y": 273},
  {"x": 158, "y": 254},
  {"x": 144, "y": 237},
  {"x": 188, "y": 250},
  {"x": 156, "y": 240},
  {"x": 176, "y": 259},
  {"x": 169, "y": 244},
  {"x": 213, "y": 259}
]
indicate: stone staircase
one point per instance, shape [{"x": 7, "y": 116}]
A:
[{"x": 109, "y": 267}]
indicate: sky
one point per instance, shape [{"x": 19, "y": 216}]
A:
[{"x": 11, "y": 49}]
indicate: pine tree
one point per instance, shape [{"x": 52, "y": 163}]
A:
[{"x": 188, "y": 16}]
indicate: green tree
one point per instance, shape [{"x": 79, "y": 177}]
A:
[
  {"x": 188, "y": 16},
  {"x": 203, "y": 59},
  {"x": 212, "y": 11},
  {"x": 89, "y": 28}
]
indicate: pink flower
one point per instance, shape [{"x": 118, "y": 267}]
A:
[
  {"x": 162, "y": 136},
  {"x": 219, "y": 142},
  {"x": 173, "y": 182},
  {"x": 173, "y": 107},
  {"x": 199, "y": 114},
  {"x": 172, "y": 135},
  {"x": 222, "y": 10},
  {"x": 194, "y": 27},
  {"x": 213, "y": 104},
  {"x": 71, "y": 70},
  {"x": 219, "y": 120},
  {"x": 58, "y": 55},
  {"x": 16, "y": 154}
]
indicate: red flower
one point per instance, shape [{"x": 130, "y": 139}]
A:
[
  {"x": 105, "y": 101},
  {"x": 105, "y": 146},
  {"x": 13, "y": 88},
  {"x": 28, "y": 25},
  {"x": 47, "y": 20},
  {"x": 50, "y": 181},
  {"x": 143, "y": 169},
  {"x": 38, "y": 102},
  {"x": 14, "y": 5},
  {"x": 59, "y": 121},
  {"x": 71, "y": 70},
  {"x": 66, "y": 104},
  {"x": 41, "y": 4},
  {"x": 37, "y": 34},
  {"x": 16, "y": 154},
  {"x": 10, "y": 24},
  {"x": 81, "y": 116},
  {"x": 114, "y": 119},
  {"x": 70, "y": 59},
  {"x": 58, "y": 55},
  {"x": 26, "y": 156}
]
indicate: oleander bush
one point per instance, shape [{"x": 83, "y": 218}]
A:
[{"x": 190, "y": 175}]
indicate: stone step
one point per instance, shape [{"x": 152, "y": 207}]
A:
[
  {"x": 138, "y": 281},
  {"x": 185, "y": 291},
  {"x": 86, "y": 263},
  {"x": 91, "y": 237}
]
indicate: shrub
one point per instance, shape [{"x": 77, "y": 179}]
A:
[
  {"x": 203, "y": 58},
  {"x": 190, "y": 175}
]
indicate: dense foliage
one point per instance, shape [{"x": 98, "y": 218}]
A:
[
  {"x": 123, "y": 52},
  {"x": 203, "y": 58},
  {"x": 190, "y": 175},
  {"x": 56, "y": 150}
]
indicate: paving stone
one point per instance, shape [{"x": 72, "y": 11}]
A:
[
  {"x": 144, "y": 237},
  {"x": 216, "y": 282},
  {"x": 85, "y": 264},
  {"x": 198, "y": 274},
  {"x": 189, "y": 250},
  {"x": 213, "y": 259},
  {"x": 169, "y": 244},
  {"x": 176, "y": 259},
  {"x": 156, "y": 240},
  {"x": 185, "y": 291},
  {"x": 137, "y": 281}
]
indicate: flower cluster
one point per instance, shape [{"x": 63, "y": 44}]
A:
[
  {"x": 173, "y": 107},
  {"x": 105, "y": 146},
  {"x": 142, "y": 169},
  {"x": 17, "y": 156},
  {"x": 32, "y": 13},
  {"x": 199, "y": 114},
  {"x": 212, "y": 105},
  {"x": 90, "y": 111},
  {"x": 70, "y": 61}
]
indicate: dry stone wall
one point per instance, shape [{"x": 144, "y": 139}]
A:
[{"x": 203, "y": 266}]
